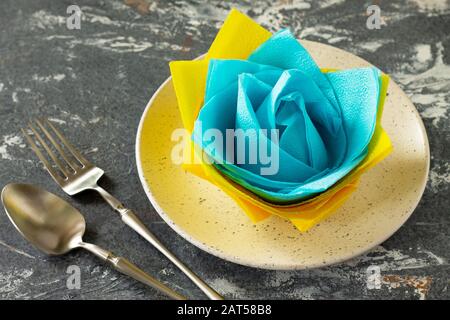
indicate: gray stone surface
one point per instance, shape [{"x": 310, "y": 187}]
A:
[{"x": 95, "y": 83}]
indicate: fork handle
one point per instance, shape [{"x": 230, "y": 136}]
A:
[{"x": 132, "y": 220}]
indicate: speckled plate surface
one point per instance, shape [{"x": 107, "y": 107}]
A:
[{"x": 209, "y": 219}]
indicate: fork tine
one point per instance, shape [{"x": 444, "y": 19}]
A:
[
  {"x": 68, "y": 145},
  {"x": 71, "y": 163},
  {"x": 41, "y": 157},
  {"x": 50, "y": 152}
]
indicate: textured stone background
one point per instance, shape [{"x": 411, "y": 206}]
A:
[{"x": 95, "y": 83}]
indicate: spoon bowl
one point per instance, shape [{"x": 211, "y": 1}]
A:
[
  {"x": 45, "y": 220},
  {"x": 55, "y": 227}
]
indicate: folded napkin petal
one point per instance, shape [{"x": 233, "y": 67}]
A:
[{"x": 282, "y": 50}]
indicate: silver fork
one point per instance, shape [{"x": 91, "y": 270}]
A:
[{"x": 78, "y": 174}]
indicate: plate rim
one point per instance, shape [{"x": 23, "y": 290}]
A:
[{"x": 268, "y": 266}]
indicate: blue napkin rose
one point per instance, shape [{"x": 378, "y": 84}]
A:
[{"x": 324, "y": 121}]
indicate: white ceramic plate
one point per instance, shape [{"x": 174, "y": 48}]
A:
[{"x": 208, "y": 218}]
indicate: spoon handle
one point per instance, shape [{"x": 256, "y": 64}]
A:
[
  {"x": 126, "y": 267},
  {"x": 132, "y": 220}
]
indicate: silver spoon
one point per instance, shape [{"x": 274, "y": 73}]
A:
[{"x": 55, "y": 227}]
